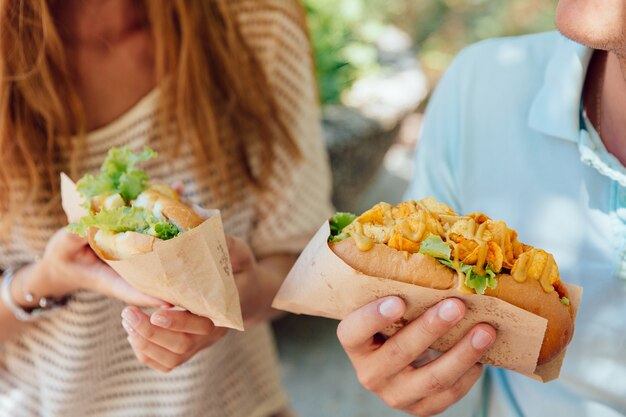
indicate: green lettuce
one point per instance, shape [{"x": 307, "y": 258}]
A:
[
  {"x": 481, "y": 282},
  {"x": 565, "y": 301},
  {"x": 434, "y": 246},
  {"x": 118, "y": 175},
  {"x": 337, "y": 223},
  {"x": 126, "y": 219}
]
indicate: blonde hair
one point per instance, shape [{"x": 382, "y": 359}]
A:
[{"x": 207, "y": 74}]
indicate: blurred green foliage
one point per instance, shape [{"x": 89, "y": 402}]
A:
[
  {"x": 343, "y": 31},
  {"x": 343, "y": 35},
  {"x": 440, "y": 28}
]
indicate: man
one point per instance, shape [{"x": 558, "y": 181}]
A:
[{"x": 531, "y": 130}]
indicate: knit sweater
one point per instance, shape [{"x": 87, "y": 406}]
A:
[{"x": 76, "y": 361}]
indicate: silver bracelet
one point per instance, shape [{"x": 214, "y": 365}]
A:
[{"x": 45, "y": 303}]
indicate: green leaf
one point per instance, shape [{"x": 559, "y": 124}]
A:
[
  {"x": 337, "y": 223},
  {"x": 118, "y": 174},
  {"x": 166, "y": 230},
  {"x": 565, "y": 300},
  {"x": 472, "y": 280},
  {"x": 122, "y": 219},
  {"x": 434, "y": 246},
  {"x": 132, "y": 183},
  {"x": 338, "y": 238},
  {"x": 90, "y": 186},
  {"x": 126, "y": 219},
  {"x": 481, "y": 282}
]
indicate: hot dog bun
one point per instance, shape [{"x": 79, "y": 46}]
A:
[
  {"x": 162, "y": 205},
  {"x": 385, "y": 262},
  {"x": 531, "y": 297},
  {"x": 386, "y": 242},
  {"x": 159, "y": 202},
  {"x": 116, "y": 246}
]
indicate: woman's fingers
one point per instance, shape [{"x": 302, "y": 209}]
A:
[
  {"x": 356, "y": 331},
  {"x": 171, "y": 343},
  {"x": 167, "y": 359},
  {"x": 104, "y": 280},
  {"x": 183, "y": 321},
  {"x": 148, "y": 361},
  {"x": 178, "y": 187},
  {"x": 136, "y": 321},
  {"x": 176, "y": 341}
]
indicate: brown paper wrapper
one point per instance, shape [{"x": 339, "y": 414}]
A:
[
  {"x": 321, "y": 284},
  {"x": 191, "y": 271}
]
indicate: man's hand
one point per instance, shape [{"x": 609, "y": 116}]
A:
[{"x": 386, "y": 369}]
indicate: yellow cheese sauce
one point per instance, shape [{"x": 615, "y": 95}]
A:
[{"x": 475, "y": 239}]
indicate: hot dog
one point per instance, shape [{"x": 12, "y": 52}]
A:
[
  {"x": 426, "y": 243},
  {"x": 127, "y": 213}
]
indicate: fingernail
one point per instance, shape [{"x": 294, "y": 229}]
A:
[
  {"x": 390, "y": 308},
  {"x": 449, "y": 311},
  {"x": 127, "y": 326},
  {"x": 131, "y": 316},
  {"x": 160, "y": 320},
  {"x": 481, "y": 339}
]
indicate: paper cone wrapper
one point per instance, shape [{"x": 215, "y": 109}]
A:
[
  {"x": 321, "y": 284},
  {"x": 192, "y": 271}
]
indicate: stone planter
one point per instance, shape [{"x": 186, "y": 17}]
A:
[{"x": 356, "y": 146}]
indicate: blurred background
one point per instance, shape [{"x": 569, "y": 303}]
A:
[{"x": 377, "y": 62}]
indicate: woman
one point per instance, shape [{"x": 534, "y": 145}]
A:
[{"x": 224, "y": 91}]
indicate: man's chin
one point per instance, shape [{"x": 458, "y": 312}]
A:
[
  {"x": 588, "y": 41},
  {"x": 595, "y": 27}
]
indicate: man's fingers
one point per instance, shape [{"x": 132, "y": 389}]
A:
[
  {"x": 440, "y": 402},
  {"x": 451, "y": 365},
  {"x": 415, "y": 338},
  {"x": 445, "y": 372},
  {"x": 356, "y": 331},
  {"x": 182, "y": 321}
]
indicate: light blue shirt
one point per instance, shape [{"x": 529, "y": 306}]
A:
[{"x": 503, "y": 135}]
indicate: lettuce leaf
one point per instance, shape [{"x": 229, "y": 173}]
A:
[
  {"x": 165, "y": 230},
  {"x": 434, "y": 246},
  {"x": 481, "y": 282},
  {"x": 126, "y": 219},
  {"x": 118, "y": 174},
  {"x": 337, "y": 223}
]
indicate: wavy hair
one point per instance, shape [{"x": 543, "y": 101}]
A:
[{"x": 205, "y": 70}]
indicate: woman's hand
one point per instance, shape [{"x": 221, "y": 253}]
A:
[
  {"x": 69, "y": 264},
  {"x": 245, "y": 268},
  {"x": 168, "y": 338},
  {"x": 386, "y": 369}
]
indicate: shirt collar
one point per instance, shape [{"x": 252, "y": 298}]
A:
[{"x": 555, "y": 110}]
